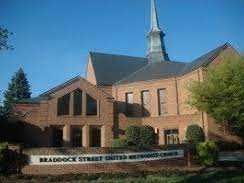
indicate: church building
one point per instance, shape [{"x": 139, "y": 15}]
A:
[{"x": 119, "y": 91}]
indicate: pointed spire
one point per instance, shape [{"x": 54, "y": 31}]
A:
[
  {"x": 154, "y": 16},
  {"x": 156, "y": 47}
]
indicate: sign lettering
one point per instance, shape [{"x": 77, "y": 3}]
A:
[{"x": 104, "y": 158}]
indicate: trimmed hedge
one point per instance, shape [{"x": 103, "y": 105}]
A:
[
  {"x": 147, "y": 136},
  {"x": 140, "y": 136},
  {"x": 195, "y": 134}
]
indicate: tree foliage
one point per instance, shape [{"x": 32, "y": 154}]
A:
[
  {"x": 4, "y": 36},
  {"x": 18, "y": 89},
  {"x": 207, "y": 153},
  {"x": 132, "y": 134},
  {"x": 119, "y": 143},
  {"x": 147, "y": 136},
  {"x": 195, "y": 134},
  {"x": 140, "y": 136},
  {"x": 221, "y": 94}
]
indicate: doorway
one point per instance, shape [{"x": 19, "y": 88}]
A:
[
  {"x": 57, "y": 137},
  {"x": 95, "y": 136},
  {"x": 76, "y": 136}
]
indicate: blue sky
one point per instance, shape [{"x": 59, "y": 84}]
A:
[{"x": 52, "y": 38}]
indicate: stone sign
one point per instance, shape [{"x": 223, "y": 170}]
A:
[{"x": 104, "y": 158}]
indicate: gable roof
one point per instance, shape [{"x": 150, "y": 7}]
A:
[
  {"x": 46, "y": 95},
  {"x": 205, "y": 59},
  {"x": 61, "y": 86},
  {"x": 167, "y": 69},
  {"x": 110, "y": 68}
]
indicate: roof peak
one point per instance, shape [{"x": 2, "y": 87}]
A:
[{"x": 112, "y": 54}]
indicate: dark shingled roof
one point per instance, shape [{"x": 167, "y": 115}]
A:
[
  {"x": 164, "y": 69},
  {"x": 46, "y": 95},
  {"x": 109, "y": 68},
  {"x": 205, "y": 59},
  {"x": 167, "y": 69},
  {"x": 59, "y": 87}
]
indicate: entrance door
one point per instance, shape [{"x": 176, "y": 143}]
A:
[
  {"x": 77, "y": 136},
  {"x": 95, "y": 136},
  {"x": 171, "y": 136},
  {"x": 57, "y": 137}
]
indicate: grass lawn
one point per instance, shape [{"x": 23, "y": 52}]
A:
[{"x": 210, "y": 175}]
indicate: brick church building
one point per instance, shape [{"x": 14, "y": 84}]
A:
[{"x": 119, "y": 91}]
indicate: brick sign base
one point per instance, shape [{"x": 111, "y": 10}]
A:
[{"x": 105, "y": 168}]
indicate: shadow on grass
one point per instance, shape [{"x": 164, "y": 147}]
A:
[
  {"x": 216, "y": 176},
  {"x": 208, "y": 176}
]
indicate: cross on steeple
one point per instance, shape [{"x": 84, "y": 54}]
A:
[{"x": 156, "y": 47}]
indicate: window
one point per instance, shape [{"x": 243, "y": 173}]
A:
[
  {"x": 91, "y": 106},
  {"x": 77, "y": 136},
  {"x": 77, "y": 102},
  {"x": 129, "y": 103},
  {"x": 162, "y": 101},
  {"x": 63, "y": 105},
  {"x": 171, "y": 136},
  {"x": 145, "y": 101}
]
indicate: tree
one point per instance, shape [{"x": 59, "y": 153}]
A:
[
  {"x": 4, "y": 36},
  {"x": 221, "y": 94},
  {"x": 132, "y": 134},
  {"x": 147, "y": 136},
  {"x": 195, "y": 134},
  {"x": 18, "y": 89}
]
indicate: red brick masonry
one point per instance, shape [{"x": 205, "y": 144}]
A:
[
  {"x": 100, "y": 167},
  {"x": 104, "y": 168}
]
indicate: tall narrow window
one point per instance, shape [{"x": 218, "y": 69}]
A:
[
  {"x": 129, "y": 103},
  {"x": 91, "y": 105},
  {"x": 63, "y": 105},
  {"x": 162, "y": 101},
  {"x": 145, "y": 101},
  {"x": 77, "y": 102}
]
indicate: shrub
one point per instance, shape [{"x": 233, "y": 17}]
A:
[
  {"x": 207, "y": 153},
  {"x": 147, "y": 136},
  {"x": 228, "y": 146},
  {"x": 140, "y": 136},
  {"x": 195, "y": 134},
  {"x": 3, "y": 155},
  {"x": 132, "y": 134},
  {"x": 119, "y": 143}
]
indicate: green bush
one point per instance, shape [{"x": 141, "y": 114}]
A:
[
  {"x": 195, "y": 134},
  {"x": 147, "y": 136},
  {"x": 119, "y": 143},
  {"x": 140, "y": 136},
  {"x": 207, "y": 153},
  {"x": 132, "y": 134}
]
